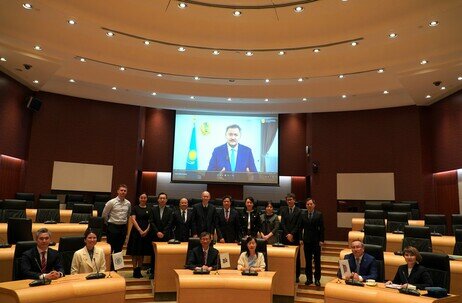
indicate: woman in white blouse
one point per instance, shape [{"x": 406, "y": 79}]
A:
[{"x": 251, "y": 259}]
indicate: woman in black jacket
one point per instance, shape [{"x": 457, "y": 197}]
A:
[{"x": 250, "y": 220}]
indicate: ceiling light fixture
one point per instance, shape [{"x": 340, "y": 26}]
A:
[
  {"x": 300, "y": 80},
  {"x": 159, "y": 75},
  {"x": 122, "y": 68},
  {"x": 433, "y": 23},
  {"x": 458, "y": 78},
  {"x": 393, "y": 35},
  {"x": 443, "y": 87},
  {"x": 316, "y": 50},
  {"x": 153, "y": 94},
  {"x": 72, "y": 80},
  {"x": 37, "y": 48},
  {"x": 71, "y": 21},
  {"x": 428, "y": 97},
  {"x": 248, "y": 53},
  {"x": 237, "y": 13},
  {"x": 298, "y": 9},
  {"x": 344, "y": 96},
  {"x": 267, "y": 80},
  {"x": 181, "y": 49},
  {"x": 83, "y": 60},
  {"x": 192, "y": 97},
  {"x": 385, "y": 92},
  {"x": 354, "y": 43},
  {"x": 281, "y": 53},
  {"x": 110, "y": 34},
  {"x": 229, "y": 99},
  {"x": 381, "y": 70},
  {"x": 196, "y": 78},
  {"x": 341, "y": 76},
  {"x": 216, "y": 52},
  {"x": 146, "y": 42},
  {"x": 182, "y": 5},
  {"x": 114, "y": 88},
  {"x": 423, "y": 62},
  {"x": 304, "y": 99},
  {"x": 36, "y": 81},
  {"x": 27, "y": 5},
  {"x": 3, "y": 59},
  {"x": 266, "y": 100}
]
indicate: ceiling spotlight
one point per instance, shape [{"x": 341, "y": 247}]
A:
[
  {"x": 122, "y": 68},
  {"x": 3, "y": 59},
  {"x": 385, "y": 92},
  {"x": 192, "y": 97},
  {"x": 159, "y": 75},
  {"x": 182, "y": 5},
  {"x": 300, "y": 80},
  {"x": 114, "y": 88},
  {"x": 344, "y": 96},
  {"x": 266, "y": 100},
  {"x": 393, "y": 35},
  {"x": 196, "y": 78},
  {"x": 428, "y": 97},
  {"x": 380, "y": 70},
  {"x": 316, "y": 50},
  {"x": 83, "y": 60},
  {"x": 37, "y": 48},
  {"x": 354, "y": 43},
  {"x": 110, "y": 34},
  {"x": 71, "y": 21},
  {"x": 248, "y": 53},
  {"x": 281, "y": 53},
  {"x": 72, "y": 80},
  {"x": 423, "y": 62},
  {"x": 216, "y": 52},
  {"x": 433, "y": 23},
  {"x": 304, "y": 99},
  {"x": 267, "y": 80},
  {"x": 341, "y": 76},
  {"x": 443, "y": 87},
  {"x": 458, "y": 78},
  {"x": 36, "y": 81},
  {"x": 153, "y": 94},
  {"x": 27, "y": 5},
  {"x": 146, "y": 42},
  {"x": 181, "y": 49},
  {"x": 237, "y": 13},
  {"x": 298, "y": 9},
  {"x": 229, "y": 99}
]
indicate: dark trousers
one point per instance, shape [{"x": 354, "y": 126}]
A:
[
  {"x": 116, "y": 235},
  {"x": 297, "y": 265},
  {"x": 312, "y": 251}
]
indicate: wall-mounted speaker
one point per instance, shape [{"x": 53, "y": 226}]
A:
[{"x": 34, "y": 104}]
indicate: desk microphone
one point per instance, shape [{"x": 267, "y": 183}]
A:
[
  {"x": 278, "y": 243},
  {"x": 97, "y": 275},
  {"x": 51, "y": 221},
  {"x": 39, "y": 281},
  {"x": 174, "y": 241},
  {"x": 406, "y": 290}
]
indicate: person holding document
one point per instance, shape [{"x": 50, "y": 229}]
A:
[
  {"x": 250, "y": 259},
  {"x": 363, "y": 266},
  {"x": 89, "y": 259},
  {"x": 412, "y": 273}
]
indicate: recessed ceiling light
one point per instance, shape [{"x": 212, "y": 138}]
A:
[
  {"x": 423, "y": 62},
  {"x": 304, "y": 99},
  {"x": 458, "y": 78},
  {"x": 83, "y": 60},
  {"x": 159, "y": 75},
  {"x": 38, "y": 48},
  {"x": 316, "y": 50},
  {"x": 428, "y": 97},
  {"x": 192, "y": 97},
  {"x": 341, "y": 76},
  {"x": 122, "y": 68},
  {"x": 196, "y": 78},
  {"x": 216, "y": 52},
  {"x": 229, "y": 99},
  {"x": 146, "y": 42},
  {"x": 393, "y": 35},
  {"x": 344, "y": 0},
  {"x": 72, "y": 80},
  {"x": 344, "y": 96},
  {"x": 298, "y": 9},
  {"x": 443, "y": 87},
  {"x": 281, "y": 53},
  {"x": 237, "y": 13},
  {"x": 385, "y": 92},
  {"x": 354, "y": 43},
  {"x": 71, "y": 21},
  {"x": 182, "y": 5},
  {"x": 181, "y": 49},
  {"x": 380, "y": 70},
  {"x": 114, "y": 88},
  {"x": 110, "y": 34},
  {"x": 36, "y": 81},
  {"x": 248, "y": 53},
  {"x": 433, "y": 23},
  {"x": 153, "y": 94},
  {"x": 300, "y": 80},
  {"x": 3, "y": 59},
  {"x": 266, "y": 100},
  {"x": 27, "y": 5},
  {"x": 267, "y": 80}
]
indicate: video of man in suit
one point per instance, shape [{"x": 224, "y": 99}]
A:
[{"x": 212, "y": 148}]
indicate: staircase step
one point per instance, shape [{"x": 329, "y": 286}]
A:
[
  {"x": 311, "y": 292},
  {"x": 135, "y": 281},
  {"x": 138, "y": 289},
  {"x": 137, "y": 298},
  {"x": 310, "y": 300}
]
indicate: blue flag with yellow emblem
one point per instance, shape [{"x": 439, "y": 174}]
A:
[{"x": 191, "y": 161}]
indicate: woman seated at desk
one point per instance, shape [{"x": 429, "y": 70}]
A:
[
  {"x": 250, "y": 259},
  {"x": 412, "y": 273},
  {"x": 89, "y": 259}
]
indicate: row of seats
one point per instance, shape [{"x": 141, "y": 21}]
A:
[{"x": 409, "y": 207}]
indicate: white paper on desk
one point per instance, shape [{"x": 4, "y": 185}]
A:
[
  {"x": 224, "y": 260},
  {"x": 394, "y": 286},
  {"x": 118, "y": 260},
  {"x": 344, "y": 268}
]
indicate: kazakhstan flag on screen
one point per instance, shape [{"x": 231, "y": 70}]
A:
[{"x": 191, "y": 161}]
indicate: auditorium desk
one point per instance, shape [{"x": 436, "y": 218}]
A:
[
  {"x": 444, "y": 244},
  {"x": 64, "y": 214},
  {"x": 229, "y": 286},
  {"x": 358, "y": 223},
  {"x": 340, "y": 293},
  {"x": 392, "y": 262},
  {"x": 7, "y": 255},
  {"x": 170, "y": 257},
  {"x": 69, "y": 289}
]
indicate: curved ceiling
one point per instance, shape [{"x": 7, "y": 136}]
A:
[{"x": 325, "y": 58}]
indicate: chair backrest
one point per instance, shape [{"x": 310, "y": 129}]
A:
[
  {"x": 14, "y": 204},
  {"x": 376, "y": 235},
  {"x": 74, "y": 198},
  {"x": 403, "y": 208},
  {"x": 375, "y": 217},
  {"x": 192, "y": 243},
  {"x": 439, "y": 267},
  {"x": 377, "y": 252},
  {"x": 101, "y": 198},
  {"x": 261, "y": 247},
  {"x": 67, "y": 247},
  {"x": 458, "y": 245},
  {"x": 29, "y": 197},
  {"x": 19, "y": 229},
  {"x": 373, "y": 205},
  {"x": 48, "y": 196},
  {"x": 97, "y": 225},
  {"x": 437, "y": 223},
  {"x": 396, "y": 221},
  {"x": 48, "y": 204},
  {"x": 415, "y": 213},
  {"x": 419, "y": 237},
  {"x": 152, "y": 199},
  {"x": 81, "y": 212},
  {"x": 99, "y": 207},
  {"x": 456, "y": 221},
  {"x": 19, "y": 249},
  {"x": 48, "y": 210}
]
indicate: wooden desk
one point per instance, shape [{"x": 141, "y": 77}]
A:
[
  {"x": 68, "y": 289},
  {"x": 444, "y": 244},
  {"x": 7, "y": 255},
  {"x": 340, "y": 293},
  {"x": 64, "y": 214},
  {"x": 229, "y": 286},
  {"x": 358, "y": 223},
  {"x": 392, "y": 262},
  {"x": 170, "y": 257}
]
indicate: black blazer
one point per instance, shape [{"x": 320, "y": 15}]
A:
[
  {"x": 228, "y": 230},
  {"x": 196, "y": 258},
  {"x": 290, "y": 224},
  {"x": 182, "y": 229},
  {"x": 203, "y": 222},
  {"x": 420, "y": 277},
  {"x": 31, "y": 260},
  {"x": 313, "y": 230},
  {"x": 163, "y": 225},
  {"x": 255, "y": 223}
]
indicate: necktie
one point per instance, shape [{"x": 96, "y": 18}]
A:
[
  {"x": 233, "y": 159},
  {"x": 205, "y": 257},
  {"x": 183, "y": 215},
  {"x": 310, "y": 215},
  {"x": 227, "y": 215},
  {"x": 357, "y": 265},
  {"x": 44, "y": 262},
  {"x": 290, "y": 210},
  {"x": 161, "y": 212}
]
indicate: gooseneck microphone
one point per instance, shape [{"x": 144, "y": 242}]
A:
[
  {"x": 39, "y": 281},
  {"x": 97, "y": 275},
  {"x": 406, "y": 290}
]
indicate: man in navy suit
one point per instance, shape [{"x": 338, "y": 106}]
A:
[
  {"x": 228, "y": 223},
  {"x": 290, "y": 225},
  {"x": 358, "y": 258},
  {"x": 203, "y": 216},
  {"x": 182, "y": 221},
  {"x": 232, "y": 156},
  {"x": 203, "y": 256},
  {"x": 41, "y": 262}
]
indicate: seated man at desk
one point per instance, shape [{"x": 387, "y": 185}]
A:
[
  {"x": 363, "y": 266},
  {"x": 41, "y": 262},
  {"x": 204, "y": 256}
]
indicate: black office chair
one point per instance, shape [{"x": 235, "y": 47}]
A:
[
  {"x": 375, "y": 235},
  {"x": 377, "y": 252},
  {"x": 415, "y": 213},
  {"x": 402, "y": 208},
  {"x": 19, "y": 249},
  {"x": 458, "y": 245},
  {"x": 261, "y": 204},
  {"x": 152, "y": 199},
  {"x": 239, "y": 203},
  {"x": 67, "y": 247},
  {"x": 48, "y": 211},
  {"x": 374, "y": 217},
  {"x": 48, "y": 196},
  {"x": 261, "y": 247},
  {"x": 437, "y": 223},
  {"x": 373, "y": 205},
  {"x": 28, "y": 197},
  {"x": 396, "y": 222},
  {"x": 419, "y": 237},
  {"x": 97, "y": 225},
  {"x": 439, "y": 268},
  {"x": 72, "y": 199},
  {"x": 19, "y": 229},
  {"x": 81, "y": 213},
  {"x": 456, "y": 221},
  {"x": 13, "y": 208},
  {"x": 193, "y": 243}
]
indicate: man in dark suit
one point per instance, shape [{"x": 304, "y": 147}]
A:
[
  {"x": 161, "y": 223},
  {"x": 290, "y": 225},
  {"x": 228, "y": 223},
  {"x": 313, "y": 238},
  {"x": 203, "y": 256},
  {"x": 203, "y": 216},
  {"x": 232, "y": 156},
  {"x": 182, "y": 221},
  {"x": 41, "y": 262},
  {"x": 362, "y": 266}
]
